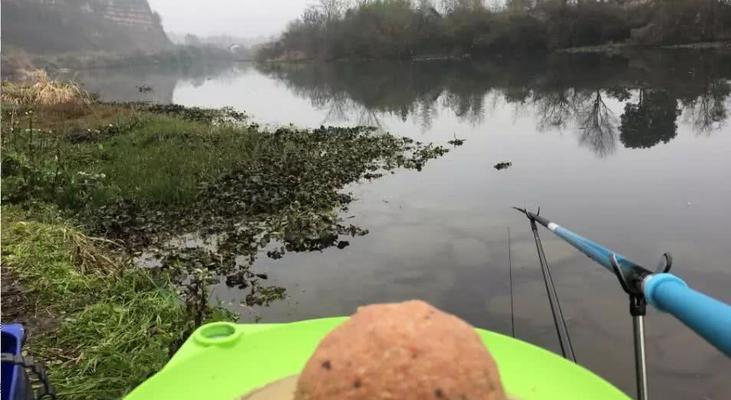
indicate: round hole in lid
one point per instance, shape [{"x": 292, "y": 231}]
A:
[{"x": 217, "y": 333}]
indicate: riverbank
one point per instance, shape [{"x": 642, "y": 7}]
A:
[
  {"x": 616, "y": 48},
  {"x": 17, "y": 63},
  {"x": 100, "y": 326},
  {"x": 609, "y": 49},
  {"x": 91, "y": 191}
]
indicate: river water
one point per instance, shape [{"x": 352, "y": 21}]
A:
[{"x": 632, "y": 151}]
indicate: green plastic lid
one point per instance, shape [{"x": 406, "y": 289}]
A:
[{"x": 225, "y": 361}]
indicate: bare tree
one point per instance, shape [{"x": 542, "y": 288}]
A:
[
  {"x": 468, "y": 106},
  {"x": 339, "y": 108},
  {"x": 425, "y": 5},
  {"x": 708, "y": 112},
  {"x": 333, "y": 9},
  {"x": 555, "y": 108},
  {"x": 451, "y": 6},
  {"x": 370, "y": 118},
  {"x": 597, "y": 126},
  {"x": 427, "y": 110}
]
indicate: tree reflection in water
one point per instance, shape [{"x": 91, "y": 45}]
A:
[
  {"x": 597, "y": 125},
  {"x": 343, "y": 110},
  {"x": 555, "y": 109},
  {"x": 708, "y": 112},
  {"x": 564, "y": 92},
  {"x": 651, "y": 121}
]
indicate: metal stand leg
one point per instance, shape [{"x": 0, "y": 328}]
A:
[
  {"x": 638, "y": 309},
  {"x": 638, "y": 324},
  {"x": 559, "y": 321}
]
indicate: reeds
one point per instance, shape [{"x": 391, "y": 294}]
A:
[{"x": 40, "y": 90}]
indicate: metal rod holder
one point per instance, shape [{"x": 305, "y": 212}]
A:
[
  {"x": 567, "y": 350},
  {"x": 629, "y": 275}
]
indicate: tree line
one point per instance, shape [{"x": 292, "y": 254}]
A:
[{"x": 407, "y": 29}]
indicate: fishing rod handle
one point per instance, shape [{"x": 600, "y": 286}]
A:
[{"x": 708, "y": 317}]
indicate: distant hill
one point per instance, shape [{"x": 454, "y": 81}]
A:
[{"x": 61, "y": 26}]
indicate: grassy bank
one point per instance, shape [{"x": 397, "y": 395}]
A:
[
  {"x": 101, "y": 327},
  {"x": 88, "y": 187}
]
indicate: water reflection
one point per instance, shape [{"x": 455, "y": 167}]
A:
[
  {"x": 649, "y": 121},
  {"x": 634, "y": 99},
  {"x": 158, "y": 81},
  {"x": 597, "y": 125},
  {"x": 708, "y": 111}
]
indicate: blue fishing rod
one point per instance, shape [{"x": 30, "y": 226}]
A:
[{"x": 708, "y": 317}]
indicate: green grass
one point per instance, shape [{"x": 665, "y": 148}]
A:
[
  {"x": 111, "y": 327},
  {"x": 166, "y": 159},
  {"x": 154, "y": 154}
]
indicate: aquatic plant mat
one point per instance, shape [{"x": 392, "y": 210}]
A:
[{"x": 196, "y": 195}]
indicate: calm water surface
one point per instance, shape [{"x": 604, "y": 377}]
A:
[{"x": 631, "y": 151}]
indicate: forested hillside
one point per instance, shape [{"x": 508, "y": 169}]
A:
[{"x": 58, "y": 26}]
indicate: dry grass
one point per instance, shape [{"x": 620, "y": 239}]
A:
[
  {"x": 87, "y": 255},
  {"x": 40, "y": 90},
  {"x": 56, "y": 105}
]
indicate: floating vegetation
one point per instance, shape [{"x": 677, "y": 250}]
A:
[
  {"x": 503, "y": 165},
  {"x": 203, "y": 115},
  {"x": 286, "y": 197},
  {"x": 457, "y": 142}
]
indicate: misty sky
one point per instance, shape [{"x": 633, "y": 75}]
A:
[{"x": 244, "y": 18}]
